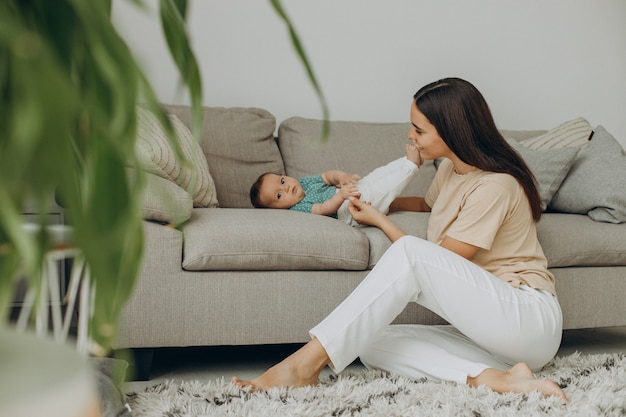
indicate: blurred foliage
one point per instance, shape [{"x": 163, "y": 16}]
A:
[
  {"x": 297, "y": 45},
  {"x": 69, "y": 86}
]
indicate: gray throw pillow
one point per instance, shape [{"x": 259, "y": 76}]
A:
[
  {"x": 550, "y": 167},
  {"x": 596, "y": 184},
  {"x": 163, "y": 201}
]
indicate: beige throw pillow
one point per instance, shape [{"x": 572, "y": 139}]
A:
[
  {"x": 571, "y": 134},
  {"x": 157, "y": 156}
]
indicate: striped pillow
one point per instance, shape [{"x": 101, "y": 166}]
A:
[
  {"x": 158, "y": 157},
  {"x": 574, "y": 133}
]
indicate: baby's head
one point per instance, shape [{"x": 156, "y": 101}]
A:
[{"x": 276, "y": 191}]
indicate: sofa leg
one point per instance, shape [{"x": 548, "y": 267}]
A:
[{"x": 139, "y": 363}]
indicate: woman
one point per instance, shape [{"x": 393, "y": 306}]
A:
[{"x": 482, "y": 268}]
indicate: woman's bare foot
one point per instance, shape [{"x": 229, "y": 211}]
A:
[
  {"x": 517, "y": 379},
  {"x": 282, "y": 374},
  {"x": 300, "y": 369}
]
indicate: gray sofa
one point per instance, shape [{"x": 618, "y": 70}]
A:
[{"x": 234, "y": 275}]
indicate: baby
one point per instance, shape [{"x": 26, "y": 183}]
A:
[{"x": 328, "y": 193}]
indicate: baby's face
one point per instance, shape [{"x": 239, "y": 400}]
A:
[{"x": 280, "y": 192}]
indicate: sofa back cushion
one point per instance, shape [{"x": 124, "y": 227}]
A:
[
  {"x": 354, "y": 147},
  {"x": 239, "y": 145}
]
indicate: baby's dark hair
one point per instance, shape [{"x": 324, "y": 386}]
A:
[{"x": 255, "y": 191}]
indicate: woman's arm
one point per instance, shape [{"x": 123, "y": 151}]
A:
[
  {"x": 409, "y": 204},
  {"x": 460, "y": 248},
  {"x": 364, "y": 213}
]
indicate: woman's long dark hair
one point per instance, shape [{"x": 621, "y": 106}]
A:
[{"x": 462, "y": 118}]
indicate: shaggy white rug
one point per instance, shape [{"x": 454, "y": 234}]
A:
[{"x": 595, "y": 385}]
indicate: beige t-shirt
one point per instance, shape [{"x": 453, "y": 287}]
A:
[{"x": 491, "y": 211}]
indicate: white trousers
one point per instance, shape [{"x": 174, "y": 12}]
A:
[
  {"x": 381, "y": 186},
  {"x": 493, "y": 325}
]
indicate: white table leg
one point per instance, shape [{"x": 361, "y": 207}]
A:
[
  {"x": 72, "y": 292},
  {"x": 84, "y": 314},
  {"x": 55, "y": 296},
  {"x": 41, "y": 319}
]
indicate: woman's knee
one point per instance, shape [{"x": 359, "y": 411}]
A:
[
  {"x": 410, "y": 244},
  {"x": 415, "y": 248}
]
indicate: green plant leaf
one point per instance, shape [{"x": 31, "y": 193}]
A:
[
  {"x": 297, "y": 45},
  {"x": 69, "y": 88},
  {"x": 173, "y": 25}
]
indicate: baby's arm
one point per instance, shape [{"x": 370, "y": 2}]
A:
[
  {"x": 329, "y": 206},
  {"x": 347, "y": 187}
]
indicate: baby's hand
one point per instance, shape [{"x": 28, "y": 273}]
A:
[{"x": 349, "y": 190}]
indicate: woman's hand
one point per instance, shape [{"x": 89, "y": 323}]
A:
[{"x": 364, "y": 213}]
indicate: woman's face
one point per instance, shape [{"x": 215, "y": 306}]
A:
[{"x": 425, "y": 136}]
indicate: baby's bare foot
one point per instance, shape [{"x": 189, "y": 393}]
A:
[{"x": 413, "y": 154}]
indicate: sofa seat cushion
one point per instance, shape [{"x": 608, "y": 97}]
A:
[
  {"x": 577, "y": 240},
  {"x": 270, "y": 240}
]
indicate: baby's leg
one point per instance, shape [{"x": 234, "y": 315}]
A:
[
  {"x": 381, "y": 186},
  {"x": 413, "y": 154}
]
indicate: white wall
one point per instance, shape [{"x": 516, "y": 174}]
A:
[{"x": 538, "y": 63}]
